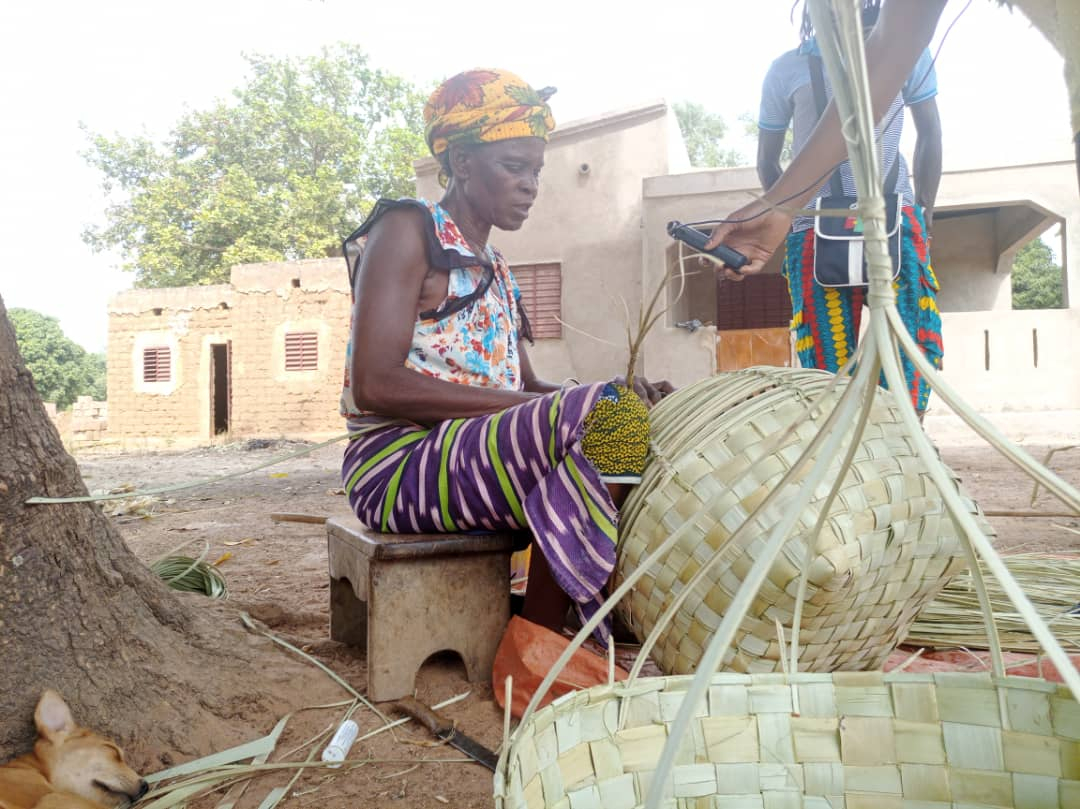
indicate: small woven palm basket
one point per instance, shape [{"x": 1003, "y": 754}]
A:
[
  {"x": 860, "y": 740},
  {"x": 886, "y": 548}
]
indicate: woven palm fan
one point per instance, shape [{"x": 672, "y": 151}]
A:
[{"x": 787, "y": 739}]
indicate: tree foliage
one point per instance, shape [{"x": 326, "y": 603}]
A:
[
  {"x": 1037, "y": 282},
  {"x": 750, "y": 129},
  {"x": 703, "y": 133},
  {"x": 62, "y": 370},
  {"x": 282, "y": 171}
]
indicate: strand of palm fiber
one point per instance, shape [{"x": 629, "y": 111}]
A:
[
  {"x": 954, "y": 619},
  {"x": 1031, "y": 467},
  {"x": 852, "y": 93},
  {"x": 975, "y": 538},
  {"x": 850, "y": 81},
  {"x": 1046, "y": 462},
  {"x": 648, "y": 317},
  {"x": 250, "y": 624},
  {"x": 208, "y": 779},
  {"x": 823, "y": 514},
  {"x": 840, "y": 38}
]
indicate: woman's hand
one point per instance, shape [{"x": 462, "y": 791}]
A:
[
  {"x": 757, "y": 239},
  {"x": 648, "y": 392}
]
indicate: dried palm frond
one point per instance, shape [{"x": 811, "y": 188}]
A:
[
  {"x": 840, "y": 38},
  {"x": 669, "y": 735},
  {"x": 1052, "y": 584}
]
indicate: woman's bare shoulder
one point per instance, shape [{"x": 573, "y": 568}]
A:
[{"x": 398, "y": 238}]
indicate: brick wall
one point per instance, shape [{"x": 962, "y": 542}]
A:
[
  {"x": 85, "y": 424},
  {"x": 89, "y": 421}
]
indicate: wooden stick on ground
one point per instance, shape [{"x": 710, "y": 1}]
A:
[
  {"x": 314, "y": 519},
  {"x": 1012, "y": 513}
]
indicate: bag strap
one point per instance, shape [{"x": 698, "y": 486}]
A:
[{"x": 817, "y": 83}]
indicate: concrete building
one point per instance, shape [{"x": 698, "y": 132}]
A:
[
  {"x": 264, "y": 354},
  {"x": 996, "y": 357}
]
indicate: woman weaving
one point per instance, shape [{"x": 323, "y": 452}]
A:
[{"x": 453, "y": 430}]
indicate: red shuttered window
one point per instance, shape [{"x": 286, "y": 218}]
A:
[
  {"x": 157, "y": 364},
  {"x": 541, "y": 294},
  {"x": 301, "y": 351}
]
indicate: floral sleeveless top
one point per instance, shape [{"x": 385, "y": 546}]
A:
[{"x": 472, "y": 337}]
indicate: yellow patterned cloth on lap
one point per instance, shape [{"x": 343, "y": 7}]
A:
[
  {"x": 616, "y": 435},
  {"x": 484, "y": 106}
]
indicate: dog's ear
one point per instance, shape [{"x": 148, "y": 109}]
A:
[{"x": 52, "y": 716}]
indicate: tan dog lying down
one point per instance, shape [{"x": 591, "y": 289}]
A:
[{"x": 70, "y": 768}]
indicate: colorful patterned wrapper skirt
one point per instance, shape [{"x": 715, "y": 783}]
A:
[
  {"x": 523, "y": 468},
  {"x": 826, "y": 319}
]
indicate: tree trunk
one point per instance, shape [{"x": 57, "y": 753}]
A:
[{"x": 160, "y": 672}]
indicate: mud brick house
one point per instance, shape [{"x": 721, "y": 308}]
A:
[{"x": 262, "y": 355}]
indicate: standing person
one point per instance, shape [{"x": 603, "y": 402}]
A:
[
  {"x": 452, "y": 429},
  {"x": 901, "y": 35},
  {"x": 826, "y": 319}
]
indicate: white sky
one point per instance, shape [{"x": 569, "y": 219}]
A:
[{"x": 125, "y": 66}]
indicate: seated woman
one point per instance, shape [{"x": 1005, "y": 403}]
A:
[{"x": 452, "y": 429}]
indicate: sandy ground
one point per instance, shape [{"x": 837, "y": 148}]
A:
[{"x": 278, "y": 572}]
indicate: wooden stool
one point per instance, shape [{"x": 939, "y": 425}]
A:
[{"x": 408, "y": 596}]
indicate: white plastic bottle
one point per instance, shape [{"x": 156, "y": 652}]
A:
[{"x": 339, "y": 745}]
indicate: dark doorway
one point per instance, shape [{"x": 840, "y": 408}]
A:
[
  {"x": 758, "y": 302},
  {"x": 220, "y": 387}
]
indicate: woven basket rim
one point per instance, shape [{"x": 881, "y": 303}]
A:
[{"x": 569, "y": 704}]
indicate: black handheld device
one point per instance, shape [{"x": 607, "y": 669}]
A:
[{"x": 733, "y": 259}]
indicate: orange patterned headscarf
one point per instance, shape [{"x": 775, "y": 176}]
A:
[{"x": 483, "y": 106}]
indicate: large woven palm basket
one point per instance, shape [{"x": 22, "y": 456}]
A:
[{"x": 886, "y": 549}]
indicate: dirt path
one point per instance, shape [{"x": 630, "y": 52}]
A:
[{"x": 277, "y": 571}]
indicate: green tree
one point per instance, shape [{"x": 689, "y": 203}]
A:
[
  {"x": 94, "y": 366},
  {"x": 282, "y": 171},
  {"x": 1037, "y": 282},
  {"x": 62, "y": 370},
  {"x": 703, "y": 133},
  {"x": 750, "y": 129}
]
